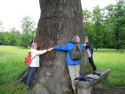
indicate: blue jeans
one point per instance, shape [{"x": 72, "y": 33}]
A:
[{"x": 30, "y": 73}]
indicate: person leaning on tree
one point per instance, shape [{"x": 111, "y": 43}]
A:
[
  {"x": 34, "y": 65},
  {"x": 90, "y": 53},
  {"x": 32, "y": 41},
  {"x": 73, "y": 65}
]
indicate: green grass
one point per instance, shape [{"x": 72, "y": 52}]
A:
[
  {"x": 12, "y": 58},
  {"x": 11, "y": 65},
  {"x": 114, "y": 60}
]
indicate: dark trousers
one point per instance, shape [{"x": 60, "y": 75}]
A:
[
  {"x": 30, "y": 73},
  {"x": 92, "y": 63}
]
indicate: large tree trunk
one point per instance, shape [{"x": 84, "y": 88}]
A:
[{"x": 60, "y": 21}]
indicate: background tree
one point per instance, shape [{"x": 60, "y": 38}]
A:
[
  {"x": 27, "y": 31},
  {"x": 87, "y": 20},
  {"x": 97, "y": 27},
  {"x": 116, "y": 15},
  {"x": 6, "y": 38},
  {"x": 2, "y": 38},
  {"x": 107, "y": 26},
  {"x": 1, "y": 33},
  {"x": 1, "y": 27},
  {"x": 13, "y": 36}
]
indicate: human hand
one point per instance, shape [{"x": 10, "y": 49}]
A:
[
  {"x": 50, "y": 49},
  {"x": 85, "y": 44}
]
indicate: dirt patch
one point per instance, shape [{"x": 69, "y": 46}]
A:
[{"x": 116, "y": 90}]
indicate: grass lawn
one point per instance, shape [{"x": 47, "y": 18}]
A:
[
  {"x": 11, "y": 65},
  {"x": 114, "y": 60},
  {"x": 12, "y": 58}
]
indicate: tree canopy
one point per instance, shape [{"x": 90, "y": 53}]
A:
[{"x": 106, "y": 27}]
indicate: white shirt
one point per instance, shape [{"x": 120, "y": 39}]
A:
[
  {"x": 36, "y": 53},
  {"x": 89, "y": 54},
  {"x": 88, "y": 51}
]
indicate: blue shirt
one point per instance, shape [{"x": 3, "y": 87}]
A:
[{"x": 68, "y": 47}]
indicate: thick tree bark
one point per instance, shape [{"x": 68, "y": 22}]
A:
[{"x": 59, "y": 22}]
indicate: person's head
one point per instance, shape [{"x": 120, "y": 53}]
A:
[
  {"x": 34, "y": 35},
  {"x": 76, "y": 38},
  {"x": 86, "y": 38},
  {"x": 34, "y": 46}
]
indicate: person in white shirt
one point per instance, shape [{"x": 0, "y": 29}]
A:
[{"x": 33, "y": 65}]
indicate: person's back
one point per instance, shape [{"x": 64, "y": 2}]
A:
[
  {"x": 68, "y": 47},
  {"x": 73, "y": 65}
]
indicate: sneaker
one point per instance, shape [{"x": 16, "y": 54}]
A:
[
  {"x": 95, "y": 73},
  {"x": 20, "y": 80},
  {"x": 27, "y": 87}
]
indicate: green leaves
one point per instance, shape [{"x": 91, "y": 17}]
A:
[
  {"x": 27, "y": 28},
  {"x": 116, "y": 13},
  {"x": 15, "y": 38},
  {"x": 107, "y": 26},
  {"x": 27, "y": 25},
  {"x": 93, "y": 26}
]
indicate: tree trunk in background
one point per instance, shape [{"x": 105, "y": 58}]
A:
[
  {"x": 60, "y": 21},
  {"x": 117, "y": 37}
]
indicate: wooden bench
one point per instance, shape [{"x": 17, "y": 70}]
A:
[{"x": 95, "y": 86}]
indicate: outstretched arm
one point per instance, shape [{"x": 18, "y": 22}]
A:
[
  {"x": 40, "y": 52},
  {"x": 50, "y": 49},
  {"x": 61, "y": 47}
]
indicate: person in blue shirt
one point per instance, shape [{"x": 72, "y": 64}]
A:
[{"x": 73, "y": 65}]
